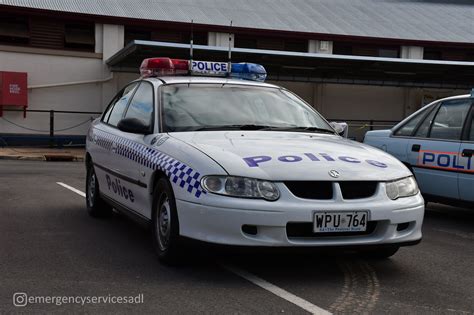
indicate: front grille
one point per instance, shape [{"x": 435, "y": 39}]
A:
[
  {"x": 324, "y": 189},
  {"x": 357, "y": 189},
  {"x": 311, "y": 189},
  {"x": 305, "y": 229}
]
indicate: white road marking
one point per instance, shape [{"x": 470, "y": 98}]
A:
[
  {"x": 307, "y": 306},
  {"x": 77, "y": 191}
]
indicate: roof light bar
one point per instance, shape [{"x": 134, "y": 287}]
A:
[
  {"x": 248, "y": 71},
  {"x": 164, "y": 66}
]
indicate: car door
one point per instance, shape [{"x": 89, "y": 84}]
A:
[
  {"x": 466, "y": 178},
  {"x": 434, "y": 149},
  {"x": 107, "y": 136},
  {"x": 131, "y": 152}
]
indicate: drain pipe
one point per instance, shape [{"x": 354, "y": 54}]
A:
[{"x": 43, "y": 86}]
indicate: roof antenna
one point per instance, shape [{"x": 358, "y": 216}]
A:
[
  {"x": 229, "y": 65},
  {"x": 191, "y": 47}
]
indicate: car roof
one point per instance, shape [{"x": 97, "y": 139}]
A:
[
  {"x": 204, "y": 79},
  {"x": 406, "y": 119},
  {"x": 451, "y": 98}
]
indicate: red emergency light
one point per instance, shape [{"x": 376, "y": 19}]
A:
[
  {"x": 13, "y": 90},
  {"x": 163, "y": 66}
]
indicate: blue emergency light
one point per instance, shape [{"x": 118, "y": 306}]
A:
[
  {"x": 248, "y": 71},
  {"x": 167, "y": 66}
]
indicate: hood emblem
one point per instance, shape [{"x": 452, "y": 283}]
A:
[{"x": 333, "y": 173}]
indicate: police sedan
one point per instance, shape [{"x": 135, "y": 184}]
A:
[
  {"x": 207, "y": 151},
  {"x": 436, "y": 143}
]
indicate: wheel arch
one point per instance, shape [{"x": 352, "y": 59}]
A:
[
  {"x": 88, "y": 160},
  {"x": 155, "y": 177}
]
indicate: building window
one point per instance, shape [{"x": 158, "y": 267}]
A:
[
  {"x": 14, "y": 30},
  {"x": 433, "y": 53},
  {"x": 44, "y": 32},
  {"x": 389, "y": 52},
  {"x": 136, "y": 34},
  {"x": 164, "y": 35},
  {"x": 344, "y": 48},
  {"x": 341, "y": 49},
  {"x": 271, "y": 43},
  {"x": 80, "y": 36}
]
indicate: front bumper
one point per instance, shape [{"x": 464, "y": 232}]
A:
[{"x": 393, "y": 222}]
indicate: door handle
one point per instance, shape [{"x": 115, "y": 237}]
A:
[
  {"x": 467, "y": 153},
  {"x": 416, "y": 148}
]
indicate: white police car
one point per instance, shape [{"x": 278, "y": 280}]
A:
[
  {"x": 437, "y": 143},
  {"x": 232, "y": 160}
]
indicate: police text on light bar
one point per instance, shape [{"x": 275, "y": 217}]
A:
[{"x": 164, "y": 66}]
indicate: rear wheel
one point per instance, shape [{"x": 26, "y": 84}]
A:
[
  {"x": 96, "y": 206},
  {"x": 381, "y": 252},
  {"x": 165, "y": 224}
]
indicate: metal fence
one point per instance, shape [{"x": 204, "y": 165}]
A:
[
  {"x": 47, "y": 136},
  {"x": 52, "y": 115},
  {"x": 357, "y": 127}
]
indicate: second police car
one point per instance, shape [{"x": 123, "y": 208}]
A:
[
  {"x": 221, "y": 157},
  {"x": 437, "y": 144}
]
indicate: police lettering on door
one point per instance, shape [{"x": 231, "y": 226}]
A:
[
  {"x": 452, "y": 161},
  {"x": 119, "y": 189}
]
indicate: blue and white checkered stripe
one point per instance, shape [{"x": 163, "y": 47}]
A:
[{"x": 178, "y": 172}]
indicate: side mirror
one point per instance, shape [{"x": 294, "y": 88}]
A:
[
  {"x": 341, "y": 128},
  {"x": 133, "y": 125}
]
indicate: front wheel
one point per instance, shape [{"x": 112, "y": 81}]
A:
[
  {"x": 96, "y": 206},
  {"x": 165, "y": 229}
]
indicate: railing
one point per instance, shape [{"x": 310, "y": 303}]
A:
[
  {"x": 51, "y": 131},
  {"x": 357, "y": 127},
  {"x": 52, "y": 114}
]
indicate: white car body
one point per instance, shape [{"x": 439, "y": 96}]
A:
[{"x": 127, "y": 165}]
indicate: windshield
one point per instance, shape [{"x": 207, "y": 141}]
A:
[{"x": 226, "y": 107}]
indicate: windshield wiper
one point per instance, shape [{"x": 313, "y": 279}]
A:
[
  {"x": 232, "y": 127},
  {"x": 313, "y": 129}
]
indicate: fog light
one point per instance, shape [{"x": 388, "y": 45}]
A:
[{"x": 249, "y": 229}]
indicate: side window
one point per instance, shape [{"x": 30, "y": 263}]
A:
[
  {"x": 409, "y": 127},
  {"x": 141, "y": 106},
  {"x": 424, "y": 128},
  {"x": 118, "y": 108},
  {"x": 449, "y": 119},
  {"x": 105, "y": 117}
]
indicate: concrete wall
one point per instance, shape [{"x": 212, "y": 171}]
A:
[
  {"x": 48, "y": 69},
  {"x": 64, "y": 68}
]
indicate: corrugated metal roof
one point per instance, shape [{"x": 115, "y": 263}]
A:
[{"x": 427, "y": 20}]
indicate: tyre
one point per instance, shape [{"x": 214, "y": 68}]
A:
[
  {"x": 165, "y": 224},
  {"x": 381, "y": 252},
  {"x": 96, "y": 206}
]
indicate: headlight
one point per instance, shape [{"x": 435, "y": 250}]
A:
[
  {"x": 241, "y": 187},
  {"x": 404, "y": 187}
]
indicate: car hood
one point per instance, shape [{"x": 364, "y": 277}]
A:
[{"x": 274, "y": 155}]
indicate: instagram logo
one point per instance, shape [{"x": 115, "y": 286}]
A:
[{"x": 20, "y": 299}]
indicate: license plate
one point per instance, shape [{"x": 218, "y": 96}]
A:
[{"x": 344, "y": 221}]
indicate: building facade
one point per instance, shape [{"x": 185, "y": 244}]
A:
[{"x": 77, "y": 58}]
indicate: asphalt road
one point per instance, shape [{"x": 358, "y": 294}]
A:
[{"x": 49, "y": 246}]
